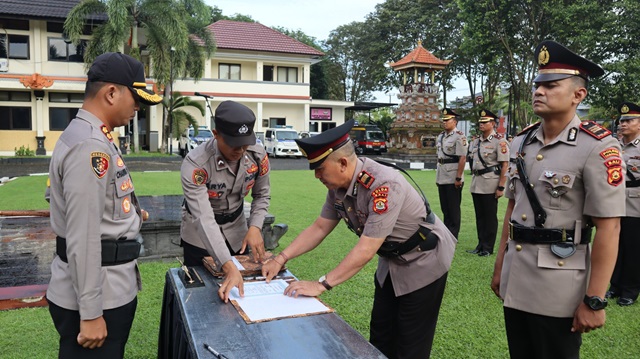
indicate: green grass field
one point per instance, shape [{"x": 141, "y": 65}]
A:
[{"x": 470, "y": 323}]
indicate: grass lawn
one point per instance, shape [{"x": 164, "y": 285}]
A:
[{"x": 470, "y": 324}]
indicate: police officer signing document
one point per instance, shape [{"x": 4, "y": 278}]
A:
[
  {"x": 96, "y": 216},
  {"x": 565, "y": 182},
  {"x": 216, "y": 177},
  {"x": 393, "y": 220}
]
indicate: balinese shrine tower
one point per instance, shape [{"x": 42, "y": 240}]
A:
[{"x": 417, "y": 124}]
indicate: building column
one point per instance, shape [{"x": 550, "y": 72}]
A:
[
  {"x": 259, "y": 116},
  {"x": 259, "y": 70},
  {"x": 307, "y": 116}
]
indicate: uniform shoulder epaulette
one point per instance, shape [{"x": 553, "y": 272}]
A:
[
  {"x": 594, "y": 130},
  {"x": 365, "y": 179},
  {"x": 460, "y": 133},
  {"x": 529, "y": 128},
  {"x": 498, "y": 136}
]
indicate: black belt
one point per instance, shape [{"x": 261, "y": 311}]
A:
[
  {"x": 114, "y": 251},
  {"x": 423, "y": 238},
  {"x": 634, "y": 183},
  {"x": 520, "y": 233},
  {"x": 224, "y": 218},
  {"x": 485, "y": 170},
  {"x": 448, "y": 160}
]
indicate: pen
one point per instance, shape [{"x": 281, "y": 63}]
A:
[{"x": 215, "y": 353}]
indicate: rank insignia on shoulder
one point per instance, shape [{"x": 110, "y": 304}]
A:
[
  {"x": 264, "y": 165},
  {"x": 526, "y": 129},
  {"x": 106, "y": 132},
  {"x": 499, "y": 136},
  {"x": 365, "y": 179},
  {"x": 199, "y": 176},
  {"x": 594, "y": 130},
  {"x": 100, "y": 163}
]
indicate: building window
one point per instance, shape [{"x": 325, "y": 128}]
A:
[
  {"x": 15, "y": 118},
  {"x": 287, "y": 74},
  {"x": 12, "y": 24},
  {"x": 59, "y": 118},
  {"x": 61, "y": 97},
  {"x": 267, "y": 73},
  {"x": 15, "y": 96},
  {"x": 229, "y": 71},
  {"x": 14, "y": 46},
  {"x": 60, "y": 50}
]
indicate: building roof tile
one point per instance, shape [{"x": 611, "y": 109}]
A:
[
  {"x": 420, "y": 56},
  {"x": 50, "y": 9}
]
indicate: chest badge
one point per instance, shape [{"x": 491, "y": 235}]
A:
[{"x": 549, "y": 174}]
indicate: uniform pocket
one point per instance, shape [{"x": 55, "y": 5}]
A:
[
  {"x": 557, "y": 185},
  {"x": 578, "y": 261},
  {"x": 122, "y": 202}
]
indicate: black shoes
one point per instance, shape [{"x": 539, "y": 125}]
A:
[
  {"x": 473, "y": 251},
  {"x": 611, "y": 294},
  {"x": 623, "y": 302},
  {"x": 484, "y": 254}
]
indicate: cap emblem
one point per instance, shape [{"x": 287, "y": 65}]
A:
[
  {"x": 444, "y": 112},
  {"x": 543, "y": 56},
  {"x": 483, "y": 113},
  {"x": 243, "y": 129},
  {"x": 624, "y": 109}
]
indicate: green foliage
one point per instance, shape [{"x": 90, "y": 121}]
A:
[
  {"x": 182, "y": 119},
  {"x": 24, "y": 152}
]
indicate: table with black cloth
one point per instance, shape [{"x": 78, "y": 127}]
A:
[{"x": 192, "y": 317}]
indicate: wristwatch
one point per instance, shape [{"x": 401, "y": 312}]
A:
[
  {"x": 500, "y": 188},
  {"x": 595, "y": 302},
  {"x": 323, "y": 281},
  {"x": 458, "y": 178}
]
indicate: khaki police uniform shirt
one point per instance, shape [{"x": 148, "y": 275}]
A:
[
  {"x": 494, "y": 150},
  {"x": 575, "y": 177},
  {"x": 211, "y": 187},
  {"x": 631, "y": 156},
  {"x": 91, "y": 199},
  {"x": 391, "y": 208},
  {"x": 450, "y": 144}
]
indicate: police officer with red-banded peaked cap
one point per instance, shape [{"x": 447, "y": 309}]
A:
[
  {"x": 625, "y": 281},
  {"x": 391, "y": 219},
  {"x": 565, "y": 182}
]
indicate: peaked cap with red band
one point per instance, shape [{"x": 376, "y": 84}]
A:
[
  {"x": 556, "y": 62},
  {"x": 487, "y": 116},
  {"x": 318, "y": 148},
  {"x": 628, "y": 110}
]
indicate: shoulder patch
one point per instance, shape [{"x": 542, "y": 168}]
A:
[
  {"x": 365, "y": 179},
  {"x": 380, "y": 200},
  {"x": 100, "y": 163},
  {"x": 610, "y": 152},
  {"x": 528, "y": 128},
  {"x": 614, "y": 171},
  {"x": 264, "y": 165},
  {"x": 199, "y": 176},
  {"x": 594, "y": 130}
]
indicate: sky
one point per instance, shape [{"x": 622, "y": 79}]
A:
[{"x": 314, "y": 18}]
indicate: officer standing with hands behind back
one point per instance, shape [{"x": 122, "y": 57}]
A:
[
  {"x": 565, "y": 177},
  {"x": 489, "y": 158},
  {"x": 96, "y": 216},
  {"x": 216, "y": 177},
  {"x": 452, "y": 150}
]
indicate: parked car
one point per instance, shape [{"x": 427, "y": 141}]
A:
[
  {"x": 368, "y": 139},
  {"x": 280, "y": 141},
  {"x": 306, "y": 134},
  {"x": 189, "y": 140}
]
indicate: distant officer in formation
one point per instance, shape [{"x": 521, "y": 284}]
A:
[
  {"x": 488, "y": 160},
  {"x": 96, "y": 217},
  {"x": 566, "y": 176},
  {"x": 625, "y": 282},
  {"x": 216, "y": 177},
  {"x": 392, "y": 219},
  {"x": 452, "y": 149}
]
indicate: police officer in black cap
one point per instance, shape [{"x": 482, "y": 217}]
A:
[
  {"x": 566, "y": 176},
  {"x": 216, "y": 177},
  {"x": 625, "y": 281},
  {"x": 489, "y": 156},
  {"x": 391, "y": 219}
]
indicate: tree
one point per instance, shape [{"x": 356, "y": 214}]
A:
[
  {"x": 167, "y": 25},
  {"x": 182, "y": 119}
]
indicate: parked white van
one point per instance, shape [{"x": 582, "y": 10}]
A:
[{"x": 280, "y": 142}]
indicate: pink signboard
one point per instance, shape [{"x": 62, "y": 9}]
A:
[{"x": 320, "y": 113}]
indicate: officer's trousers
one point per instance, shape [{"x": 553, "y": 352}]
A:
[
  {"x": 450, "y": 199},
  {"x": 533, "y": 336},
  {"x": 403, "y": 327},
  {"x": 486, "y": 207},
  {"x": 118, "y": 320},
  {"x": 625, "y": 281}
]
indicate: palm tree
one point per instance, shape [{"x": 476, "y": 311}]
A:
[
  {"x": 168, "y": 25},
  {"x": 181, "y": 118}
]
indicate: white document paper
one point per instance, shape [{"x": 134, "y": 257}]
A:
[
  {"x": 237, "y": 263},
  {"x": 264, "y": 301}
]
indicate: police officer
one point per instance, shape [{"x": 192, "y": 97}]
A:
[
  {"x": 452, "y": 149},
  {"x": 565, "y": 177},
  {"x": 96, "y": 216},
  {"x": 625, "y": 282},
  {"x": 392, "y": 219},
  {"x": 489, "y": 158},
  {"x": 216, "y": 177}
]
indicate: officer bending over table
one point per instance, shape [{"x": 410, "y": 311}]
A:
[
  {"x": 565, "y": 177},
  {"x": 216, "y": 177},
  {"x": 393, "y": 220}
]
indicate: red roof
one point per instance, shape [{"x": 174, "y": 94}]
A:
[
  {"x": 420, "y": 56},
  {"x": 253, "y": 36}
]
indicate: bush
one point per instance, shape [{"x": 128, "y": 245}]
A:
[{"x": 24, "y": 152}]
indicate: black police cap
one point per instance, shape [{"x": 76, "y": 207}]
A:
[
  {"x": 448, "y": 113},
  {"x": 317, "y": 148},
  {"x": 628, "y": 110},
  {"x": 556, "y": 62},
  {"x": 121, "y": 69},
  {"x": 234, "y": 122},
  {"x": 487, "y": 116}
]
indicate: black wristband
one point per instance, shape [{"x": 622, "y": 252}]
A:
[
  {"x": 500, "y": 188},
  {"x": 458, "y": 178}
]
